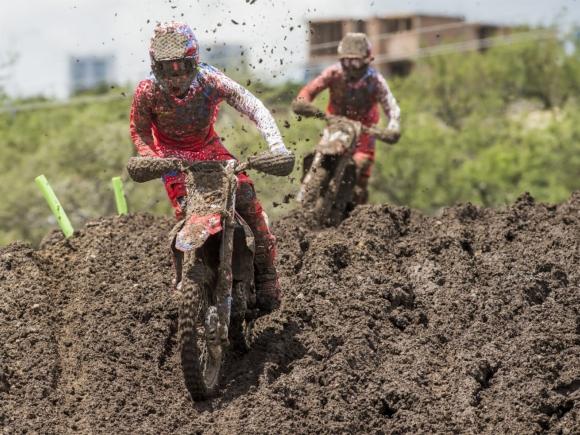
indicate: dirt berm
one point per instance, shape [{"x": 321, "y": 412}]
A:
[{"x": 395, "y": 322}]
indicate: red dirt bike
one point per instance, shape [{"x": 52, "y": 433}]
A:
[
  {"x": 213, "y": 251},
  {"x": 330, "y": 174}
]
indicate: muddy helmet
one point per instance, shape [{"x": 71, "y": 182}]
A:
[
  {"x": 354, "y": 45},
  {"x": 174, "y": 52},
  {"x": 173, "y": 41}
]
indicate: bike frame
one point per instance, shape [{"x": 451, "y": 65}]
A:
[{"x": 210, "y": 213}]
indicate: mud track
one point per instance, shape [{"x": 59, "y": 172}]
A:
[{"x": 468, "y": 322}]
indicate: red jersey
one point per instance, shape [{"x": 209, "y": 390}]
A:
[
  {"x": 357, "y": 100},
  {"x": 166, "y": 126}
]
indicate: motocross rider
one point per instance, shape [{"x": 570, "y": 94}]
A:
[
  {"x": 173, "y": 115},
  {"x": 355, "y": 89}
]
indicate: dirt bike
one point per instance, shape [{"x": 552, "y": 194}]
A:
[
  {"x": 330, "y": 174},
  {"x": 213, "y": 252}
]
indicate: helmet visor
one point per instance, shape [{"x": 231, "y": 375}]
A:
[
  {"x": 353, "y": 63},
  {"x": 174, "y": 68}
]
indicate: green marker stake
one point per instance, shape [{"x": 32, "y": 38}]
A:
[
  {"x": 54, "y": 204},
  {"x": 119, "y": 195}
]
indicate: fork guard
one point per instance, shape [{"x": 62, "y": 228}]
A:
[{"x": 195, "y": 230}]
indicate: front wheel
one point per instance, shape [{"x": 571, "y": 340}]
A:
[{"x": 200, "y": 346}]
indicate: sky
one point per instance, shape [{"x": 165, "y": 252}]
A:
[{"x": 43, "y": 34}]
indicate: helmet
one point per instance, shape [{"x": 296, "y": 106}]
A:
[
  {"x": 173, "y": 41},
  {"x": 174, "y": 53},
  {"x": 354, "y": 45}
]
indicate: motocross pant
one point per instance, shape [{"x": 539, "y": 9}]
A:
[
  {"x": 268, "y": 291},
  {"x": 364, "y": 158}
]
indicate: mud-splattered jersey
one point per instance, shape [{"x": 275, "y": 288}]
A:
[
  {"x": 163, "y": 125},
  {"x": 356, "y": 100}
]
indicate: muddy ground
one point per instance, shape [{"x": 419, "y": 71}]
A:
[{"x": 395, "y": 322}]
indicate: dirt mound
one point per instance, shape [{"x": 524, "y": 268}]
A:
[{"x": 392, "y": 323}]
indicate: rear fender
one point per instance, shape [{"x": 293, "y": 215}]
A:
[{"x": 196, "y": 230}]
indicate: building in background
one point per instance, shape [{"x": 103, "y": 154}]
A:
[
  {"x": 399, "y": 40},
  {"x": 90, "y": 72}
]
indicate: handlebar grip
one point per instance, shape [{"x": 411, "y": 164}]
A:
[
  {"x": 306, "y": 109},
  {"x": 279, "y": 164},
  {"x": 142, "y": 169},
  {"x": 384, "y": 135}
]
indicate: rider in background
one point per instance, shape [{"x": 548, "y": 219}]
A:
[
  {"x": 173, "y": 115},
  {"x": 355, "y": 89}
]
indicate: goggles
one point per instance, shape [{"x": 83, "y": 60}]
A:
[
  {"x": 353, "y": 62},
  {"x": 174, "y": 68}
]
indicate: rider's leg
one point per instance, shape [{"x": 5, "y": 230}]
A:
[
  {"x": 175, "y": 187},
  {"x": 364, "y": 164},
  {"x": 268, "y": 292}
]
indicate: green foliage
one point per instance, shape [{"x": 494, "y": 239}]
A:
[
  {"x": 476, "y": 127},
  {"x": 79, "y": 148},
  {"x": 82, "y": 145},
  {"x": 485, "y": 128}
]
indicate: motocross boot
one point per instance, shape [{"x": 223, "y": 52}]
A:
[{"x": 268, "y": 291}]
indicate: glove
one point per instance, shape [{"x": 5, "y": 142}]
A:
[
  {"x": 273, "y": 162},
  {"x": 304, "y": 108},
  {"x": 393, "y": 132},
  {"x": 389, "y": 136},
  {"x": 395, "y": 129}
]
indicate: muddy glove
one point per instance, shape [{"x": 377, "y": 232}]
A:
[
  {"x": 394, "y": 131},
  {"x": 389, "y": 136},
  {"x": 278, "y": 161},
  {"x": 304, "y": 108}
]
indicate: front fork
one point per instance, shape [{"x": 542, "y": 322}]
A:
[
  {"x": 217, "y": 318},
  {"x": 225, "y": 280},
  {"x": 316, "y": 163}
]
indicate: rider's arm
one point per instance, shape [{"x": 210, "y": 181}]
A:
[
  {"x": 247, "y": 104},
  {"x": 309, "y": 92},
  {"x": 302, "y": 104},
  {"x": 389, "y": 104},
  {"x": 140, "y": 126}
]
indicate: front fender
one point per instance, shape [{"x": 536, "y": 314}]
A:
[{"x": 196, "y": 230}]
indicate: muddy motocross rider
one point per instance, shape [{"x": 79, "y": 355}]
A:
[
  {"x": 355, "y": 89},
  {"x": 173, "y": 115}
]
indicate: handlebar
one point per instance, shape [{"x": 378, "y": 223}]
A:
[
  {"x": 383, "y": 134},
  {"x": 309, "y": 110},
  {"x": 142, "y": 169}
]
